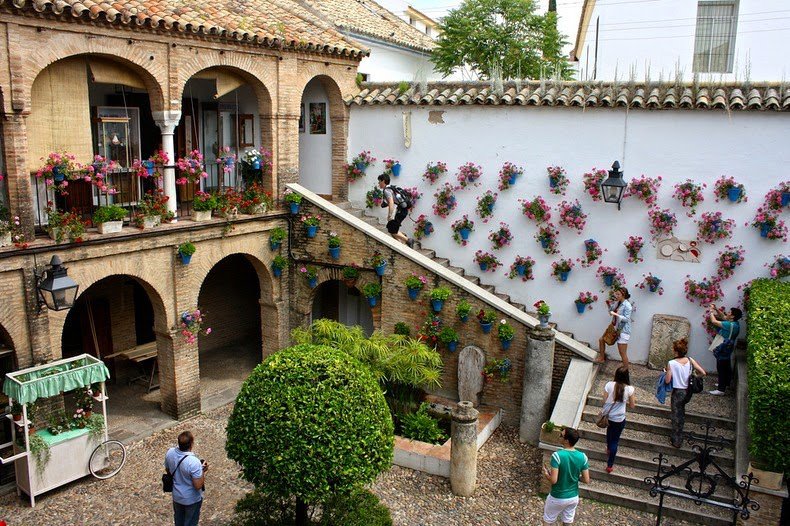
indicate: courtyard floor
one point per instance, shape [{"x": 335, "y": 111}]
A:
[{"x": 506, "y": 494}]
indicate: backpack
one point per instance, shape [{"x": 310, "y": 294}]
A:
[{"x": 402, "y": 198}]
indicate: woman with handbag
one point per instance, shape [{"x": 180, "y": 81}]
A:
[
  {"x": 616, "y": 395},
  {"x": 723, "y": 345},
  {"x": 678, "y": 373},
  {"x": 619, "y": 330}
]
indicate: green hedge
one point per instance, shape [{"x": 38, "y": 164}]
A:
[{"x": 768, "y": 339}]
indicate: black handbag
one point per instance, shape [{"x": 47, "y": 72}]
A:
[
  {"x": 696, "y": 385},
  {"x": 167, "y": 477}
]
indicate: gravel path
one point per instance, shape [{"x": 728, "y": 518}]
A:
[{"x": 506, "y": 495}]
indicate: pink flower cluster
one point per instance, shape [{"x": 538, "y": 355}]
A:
[
  {"x": 592, "y": 183},
  {"x": 190, "y": 168},
  {"x": 721, "y": 189},
  {"x": 463, "y": 223},
  {"x": 560, "y": 266},
  {"x": 558, "y": 180},
  {"x": 468, "y": 174},
  {"x": 509, "y": 171},
  {"x": 618, "y": 278},
  {"x": 389, "y": 163},
  {"x": 353, "y": 173},
  {"x": 780, "y": 268},
  {"x": 434, "y": 171},
  {"x": 526, "y": 262},
  {"x": 414, "y": 193},
  {"x": 704, "y": 292},
  {"x": 572, "y": 216},
  {"x": 634, "y": 247},
  {"x": 487, "y": 258},
  {"x": 644, "y": 188},
  {"x": 592, "y": 252},
  {"x": 547, "y": 237},
  {"x": 662, "y": 222},
  {"x": 445, "y": 201},
  {"x": 587, "y": 298},
  {"x": 652, "y": 283},
  {"x": 485, "y": 205},
  {"x": 768, "y": 220},
  {"x": 773, "y": 199},
  {"x": 422, "y": 227},
  {"x": 729, "y": 259},
  {"x": 711, "y": 227},
  {"x": 191, "y": 325},
  {"x": 537, "y": 209},
  {"x": 690, "y": 195},
  {"x": 501, "y": 237},
  {"x": 364, "y": 158}
]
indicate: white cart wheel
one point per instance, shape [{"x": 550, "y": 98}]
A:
[{"x": 107, "y": 459}]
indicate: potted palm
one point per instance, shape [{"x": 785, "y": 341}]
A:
[
  {"x": 276, "y": 237},
  {"x": 438, "y": 296},
  {"x": 449, "y": 337},
  {"x": 185, "y": 252},
  {"x": 109, "y": 219},
  {"x": 371, "y": 291},
  {"x": 203, "y": 205}
]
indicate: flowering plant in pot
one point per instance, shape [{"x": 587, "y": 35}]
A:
[
  {"x": 445, "y": 201},
  {"x": 334, "y": 242},
  {"x": 711, "y": 227},
  {"x": 203, "y": 205},
  {"x": 498, "y": 368},
  {"x": 651, "y": 283},
  {"x": 463, "y": 309},
  {"x": 64, "y": 225},
  {"x": 374, "y": 197},
  {"x": 560, "y": 269},
  {"x": 572, "y": 216},
  {"x": 592, "y": 252},
  {"x": 505, "y": 333},
  {"x": 547, "y": 237},
  {"x": 350, "y": 275},
  {"x": 185, "y": 251},
  {"x": 438, "y": 296},
  {"x": 726, "y": 187},
  {"x": 433, "y": 171},
  {"x": 192, "y": 324},
  {"x": 58, "y": 167},
  {"x": 9, "y": 229},
  {"x": 778, "y": 198},
  {"x": 449, "y": 337},
  {"x": 278, "y": 265},
  {"x": 429, "y": 331},
  {"x": 690, "y": 195},
  {"x": 190, "y": 168},
  {"x": 152, "y": 209},
  {"x": 363, "y": 159},
  {"x": 461, "y": 230},
  {"x": 536, "y": 210},
  {"x": 634, "y": 248},
  {"x": 662, "y": 222},
  {"x": 311, "y": 273},
  {"x": 292, "y": 200},
  {"x": 152, "y": 166},
  {"x": 353, "y": 173},
  {"x": 704, "y": 291},
  {"x": 780, "y": 267},
  {"x": 109, "y": 219},
  {"x": 413, "y": 193},
  {"x": 592, "y": 183},
  {"x": 644, "y": 188},
  {"x": 501, "y": 237},
  {"x": 16, "y": 411},
  {"x": 522, "y": 267},
  {"x": 371, "y": 291},
  {"x": 728, "y": 260},
  {"x": 257, "y": 160},
  {"x": 378, "y": 262},
  {"x": 276, "y": 237},
  {"x": 771, "y": 227},
  {"x": 228, "y": 204},
  {"x": 83, "y": 398},
  {"x": 485, "y": 205},
  {"x": 508, "y": 175},
  {"x": 392, "y": 166},
  {"x": 487, "y": 261},
  {"x": 543, "y": 311},
  {"x": 585, "y": 300},
  {"x": 422, "y": 227},
  {"x": 468, "y": 174},
  {"x": 311, "y": 223},
  {"x": 255, "y": 199},
  {"x": 414, "y": 284},
  {"x": 611, "y": 276},
  {"x": 226, "y": 158},
  {"x": 486, "y": 319},
  {"x": 558, "y": 180}
]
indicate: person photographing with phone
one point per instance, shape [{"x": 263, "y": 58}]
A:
[
  {"x": 188, "y": 480},
  {"x": 568, "y": 466},
  {"x": 728, "y": 327}
]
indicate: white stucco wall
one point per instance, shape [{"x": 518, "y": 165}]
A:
[
  {"x": 394, "y": 64},
  {"x": 660, "y": 35},
  {"x": 701, "y": 145},
  {"x": 315, "y": 151}
]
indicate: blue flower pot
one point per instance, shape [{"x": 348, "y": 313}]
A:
[
  {"x": 580, "y": 307},
  {"x": 512, "y": 179},
  {"x": 451, "y": 201},
  {"x": 372, "y": 301},
  {"x": 490, "y": 208},
  {"x": 564, "y": 276},
  {"x": 653, "y": 287},
  {"x": 380, "y": 269},
  {"x": 437, "y": 305},
  {"x": 149, "y": 167},
  {"x": 734, "y": 193},
  {"x": 464, "y": 233},
  {"x": 361, "y": 167},
  {"x": 334, "y": 252},
  {"x": 185, "y": 259},
  {"x": 544, "y": 243},
  {"x": 521, "y": 270},
  {"x": 452, "y": 346},
  {"x": 552, "y": 182},
  {"x": 764, "y": 230},
  {"x": 294, "y": 208},
  {"x": 463, "y": 318},
  {"x": 229, "y": 161},
  {"x": 396, "y": 169},
  {"x": 427, "y": 229},
  {"x": 413, "y": 293},
  {"x": 608, "y": 279},
  {"x": 785, "y": 198},
  {"x": 505, "y": 344},
  {"x": 277, "y": 271},
  {"x": 486, "y": 327},
  {"x": 483, "y": 266},
  {"x": 313, "y": 282},
  {"x": 58, "y": 174},
  {"x": 311, "y": 231},
  {"x": 256, "y": 164},
  {"x": 274, "y": 245}
]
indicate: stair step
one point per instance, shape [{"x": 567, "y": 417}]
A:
[
  {"x": 662, "y": 411},
  {"x": 442, "y": 261},
  {"x": 427, "y": 252},
  {"x": 568, "y": 334},
  {"x": 628, "y": 456},
  {"x": 503, "y": 297},
  {"x": 457, "y": 270},
  {"x": 647, "y": 423},
  {"x": 489, "y": 288}
]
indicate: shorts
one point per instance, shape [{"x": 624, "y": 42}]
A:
[
  {"x": 623, "y": 338},
  {"x": 393, "y": 225},
  {"x": 564, "y": 509}
]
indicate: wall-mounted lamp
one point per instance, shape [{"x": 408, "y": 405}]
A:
[
  {"x": 614, "y": 185},
  {"x": 55, "y": 288}
]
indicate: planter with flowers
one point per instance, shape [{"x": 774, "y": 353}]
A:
[
  {"x": 378, "y": 262},
  {"x": 771, "y": 227},
  {"x": 611, "y": 276},
  {"x": 449, "y": 337},
  {"x": 508, "y": 175},
  {"x": 780, "y": 268},
  {"x": 228, "y": 204},
  {"x": 487, "y": 261},
  {"x": 536, "y": 210},
  {"x": 561, "y": 269},
  {"x": 353, "y": 173},
  {"x": 203, "y": 205},
  {"x": 544, "y": 313},
  {"x": 501, "y": 237},
  {"x": 58, "y": 168},
  {"x": 592, "y": 183},
  {"x": 227, "y": 159},
  {"x": 374, "y": 197},
  {"x": 109, "y": 219},
  {"x": 192, "y": 325},
  {"x": 784, "y": 190},
  {"x": 461, "y": 230},
  {"x": 505, "y": 333},
  {"x": 704, "y": 292},
  {"x": 372, "y": 291},
  {"x": 363, "y": 160},
  {"x": 547, "y": 237},
  {"x": 429, "y": 331},
  {"x": 292, "y": 200},
  {"x": 662, "y": 222},
  {"x": 445, "y": 201},
  {"x": 278, "y": 265},
  {"x": 334, "y": 245},
  {"x": 485, "y": 205},
  {"x": 254, "y": 160},
  {"x": 651, "y": 283},
  {"x": 185, "y": 252},
  {"x": 558, "y": 180},
  {"x": 775, "y": 199},
  {"x": 592, "y": 253},
  {"x": 634, "y": 248},
  {"x": 711, "y": 227},
  {"x": 392, "y": 166},
  {"x": 64, "y": 225},
  {"x": 486, "y": 319},
  {"x": 310, "y": 273},
  {"x": 585, "y": 300},
  {"x": 572, "y": 216},
  {"x": 350, "y": 275},
  {"x": 463, "y": 309},
  {"x": 414, "y": 284},
  {"x": 413, "y": 193},
  {"x": 438, "y": 296},
  {"x": 726, "y": 187},
  {"x": 190, "y": 168},
  {"x": 10, "y": 232},
  {"x": 728, "y": 260},
  {"x": 152, "y": 209},
  {"x": 153, "y": 166},
  {"x": 433, "y": 171},
  {"x": 690, "y": 195},
  {"x": 468, "y": 174},
  {"x": 311, "y": 223},
  {"x": 522, "y": 267},
  {"x": 498, "y": 369},
  {"x": 422, "y": 227},
  {"x": 255, "y": 199},
  {"x": 644, "y": 188},
  {"x": 276, "y": 237}
]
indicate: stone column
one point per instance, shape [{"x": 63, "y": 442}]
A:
[
  {"x": 536, "y": 395},
  {"x": 167, "y": 121},
  {"x": 463, "y": 450},
  {"x": 20, "y": 188}
]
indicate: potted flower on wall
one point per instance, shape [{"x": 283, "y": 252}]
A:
[
  {"x": 334, "y": 245},
  {"x": 311, "y": 273},
  {"x": 711, "y": 227},
  {"x": 363, "y": 160},
  {"x": 203, "y": 205},
  {"x": 422, "y": 227},
  {"x": 192, "y": 324},
  {"x": 771, "y": 227},
  {"x": 610, "y": 275},
  {"x": 561, "y": 269},
  {"x": 350, "y": 275},
  {"x": 463, "y": 309},
  {"x": 572, "y": 216},
  {"x": 109, "y": 219},
  {"x": 190, "y": 168},
  {"x": 644, "y": 188},
  {"x": 537, "y": 209},
  {"x": 486, "y": 319},
  {"x": 449, "y": 337},
  {"x": 461, "y": 230},
  {"x": 392, "y": 166},
  {"x": 438, "y": 296},
  {"x": 592, "y": 252},
  {"x": 311, "y": 223},
  {"x": 185, "y": 252},
  {"x": 276, "y": 237},
  {"x": 292, "y": 200},
  {"x": 651, "y": 283},
  {"x": 544, "y": 313},
  {"x": 486, "y": 261},
  {"x": 728, "y": 260},
  {"x": 690, "y": 195},
  {"x": 498, "y": 368},
  {"x": 547, "y": 237},
  {"x": 585, "y": 299},
  {"x": 64, "y": 225},
  {"x": 501, "y": 237},
  {"x": 508, "y": 175},
  {"x": 374, "y": 197},
  {"x": 278, "y": 264},
  {"x": 485, "y": 205},
  {"x": 780, "y": 267},
  {"x": 558, "y": 180},
  {"x": 445, "y": 201},
  {"x": 592, "y": 183},
  {"x": 468, "y": 174},
  {"x": 372, "y": 291},
  {"x": 505, "y": 333},
  {"x": 378, "y": 263},
  {"x": 662, "y": 222},
  {"x": 255, "y": 199},
  {"x": 522, "y": 267},
  {"x": 414, "y": 284},
  {"x": 634, "y": 248},
  {"x": 726, "y": 187},
  {"x": 433, "y": 171}
]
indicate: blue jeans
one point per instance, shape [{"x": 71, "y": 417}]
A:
[
  {"x": 187, "y": 514},
  {"x": 613, "y": 433}
]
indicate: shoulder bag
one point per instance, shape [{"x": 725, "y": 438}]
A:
[
  {"x": 167, "y": 477},
  {"x": 603, "y": 417},
  {"x": 611, "y": 335}
]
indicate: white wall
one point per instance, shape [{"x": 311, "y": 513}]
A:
[
  {"x": 701, "y": 145},
  {"x": 393, "y": 64},
  {"x": 315, "y": 151},
  {"x": 660, "y": 35}
]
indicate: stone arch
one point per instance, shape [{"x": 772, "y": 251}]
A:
[{"x": 14, "y": 321}]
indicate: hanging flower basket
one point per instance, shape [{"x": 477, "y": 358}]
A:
[
  {"x": 547, "y": 237},
  {"x": 644, "y": 188},
  {"x": 461, "y": 230},
  {"x": 662, "y": 222},
  {"x": 592, "y": 252},
  {"x": 468, "y": 174},
  {"x": 585, "y": 300},
  {"x": 558, "y": 180},
  {"x": 690, "y": 195},
  {"x": 561, "y": 269},
  {"x": 422, "y": 227},
  {"x": 726, "y": 187},
  {"x": 634, "y": 247},
  {"x": 445, "y": 201},
  {"x": 434, "y": 171},
  {"x": 592, "y": 183},
  {"x": 572, "y": 216},
  {"x": 487, "y": 261},
  {"x": 485, "y": 205},
  {"x": 508, "y": 175},
  {"x": 522, "y": 268},
  {"x": 536, "y": 210},
  {"x": 711, "y": 227},
  {"x": 500, "y": 238},
  {"x": 651, "y": 283}
]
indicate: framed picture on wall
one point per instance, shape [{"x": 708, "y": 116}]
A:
[
  {"x": 301, "y": 118},
  {"x": 318, "y": 118},
  {"x": 246, "y": 130}
]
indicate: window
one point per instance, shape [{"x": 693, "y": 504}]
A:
[{"x": 714, "y": 44}]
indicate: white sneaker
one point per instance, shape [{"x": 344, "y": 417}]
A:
[{"x": 716, "y": 392}]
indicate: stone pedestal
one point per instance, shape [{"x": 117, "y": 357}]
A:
[
  {"x": 471, "y": 361},
  {"x": 666, "y": 329},
  {"x": 463, "y": 450},
  {"x": 536, "y": 394}
]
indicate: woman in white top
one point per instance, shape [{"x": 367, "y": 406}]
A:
[
  {"x": 678, "y": 372},
  {"x": 615, "y": 395}
]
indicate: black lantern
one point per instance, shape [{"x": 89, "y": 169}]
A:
[
  {"x": 56, "y": 289},
  {"x": 614, "y": 185}
]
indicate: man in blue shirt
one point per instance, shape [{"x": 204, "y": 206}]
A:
[
  {"x": 189, "y": 475},
  {"x": 728, "y": 328}
]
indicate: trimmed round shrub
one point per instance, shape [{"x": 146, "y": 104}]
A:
[{"x": 311, "y": 423}]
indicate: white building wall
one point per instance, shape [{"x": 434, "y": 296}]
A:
[
  {"x": 315, "y": 150},
  {"x": 659, "y": 37},
  {"x": 701, "y": 145},
  {"x": 394, "y": 64}
]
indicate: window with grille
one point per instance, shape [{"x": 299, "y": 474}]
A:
[{"x": 714, "y": 44}]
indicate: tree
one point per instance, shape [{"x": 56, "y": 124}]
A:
[
  {"x": 504, "y": 38},
  {"x": 310, "y": 423}
]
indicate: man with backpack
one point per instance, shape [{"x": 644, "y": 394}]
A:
[{"x": 398, "y": 203}]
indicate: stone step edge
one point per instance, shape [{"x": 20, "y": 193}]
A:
[
  {"x": 591, "y": 415},
  {"x": 623, "y": 479},
  {"x": 656, "y": 410},
  {"x": 636, "y": 443}
]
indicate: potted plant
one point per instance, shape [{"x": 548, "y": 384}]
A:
[
  {"x": 109, "y": 219},
  {"x": 190, "y": 168},
  {"x": 438, "y": 296},
  {"x": 662, "y": 222},
  {"x": 40, "y": 451},
  {"x": 585, "y": 299},
  {"x": 487, "y": 261},
  {"x": 293, "y": 200},
  {"x": 414, "y": 285},
  {"x": 572, "y": 216},
  {"x": 690, "y": 195},
  {"x": 445, "y": 201},
  {"x": 652, "y": 283},
  {"x": 505, "y": 333},
  {"x": 422, "y": 227},
  {"x": 84, "y": 400},
  {"x": 500, "y": 238},
  {"x": 644, "y": 188},
  {"x": 9, "y": 230},
  {"x": 592, "y": 252},
  {"x": 228, "y": 204},
  {"x": 544, "y": 313},
  {"x": 64, "y": 225},
  {"x": 378, "y": 262},
  {"x": 449, "y": 338},
  {"x": 461, "y": 230},
  {"x": 711, "y": 227},
  {"x": 485, "y": 205},
  {"x": 434, "y": 171},
  {"x": 192, "y": 324},
  {"x": 592, "y": 183},
  {"x": 185, "y": 251},
  {"x": 561, "y": 269},
  {"x": 152, "y": 209},
  {"x": 278, "y": 264},
  {"x": 276, "y": 237},
  {"x": 468, "y": 174},
  {"x": 726, "y": 187},
  {"x": 634, "y": 247},
  {"x": 203, "y": 205},
  {"x": 771, "y": 227},
  {"x": 350, "y": 275},
  {"x": 536, "y": 210},
  {"x": 550, "y": 433},
  {"x": 558, "y": 180},
  {"x": 374, "y": 197},
  {"x": 728, "y": 260},
  {"x": 16, "y": 411},
  {"x": 486, "y": 319},
  {"x": 371, "y": 291},
  {"x": 57, "y": 167},
  {"x": 363, "y": 160},
  {"x": 463, "y": 309},
  {"x": 334, "y": 245},
  {"x": 311, "y": 273},
  {"x": 392, "y": 166},
  {"x": 508, "y": 175},
  {"x": 547, "y": 237},
  {"x": 255, "y": 200},
  {"x": 500, "y": 368},
  {"x": 311, "y": 223},
  {"x": 610, "y": 275}
]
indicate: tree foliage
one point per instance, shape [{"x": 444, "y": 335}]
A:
[{"x": 501, "y": 37}]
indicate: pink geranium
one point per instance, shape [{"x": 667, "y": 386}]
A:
[
  {"x": 572, "y": 216},
  {"x": 592, "y": 183},
  {"x": 644, "y": 188}
]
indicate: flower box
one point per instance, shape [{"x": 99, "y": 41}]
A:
[
  {"x": 110, "y": 227},
  {"x": 766, "y": 479},
  {"x": 152, "y": 221},
  {"x": 5, "y": 239},
  {"x": 551, "y": 437},
  {"x": 54, "y": 233},
  {"x": 203, "y": 215}
]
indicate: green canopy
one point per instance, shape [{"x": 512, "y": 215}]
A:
[{"x": 42, "y": 381}]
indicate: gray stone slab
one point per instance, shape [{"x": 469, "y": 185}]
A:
[
  {"x": 666, "y": 329},
  {"x": 470, "y": 374}
]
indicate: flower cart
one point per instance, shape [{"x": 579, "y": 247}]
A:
[{"x": 46, "y": 459}]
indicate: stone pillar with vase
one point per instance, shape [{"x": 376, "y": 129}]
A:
[{"x": 536, "y": 393}]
